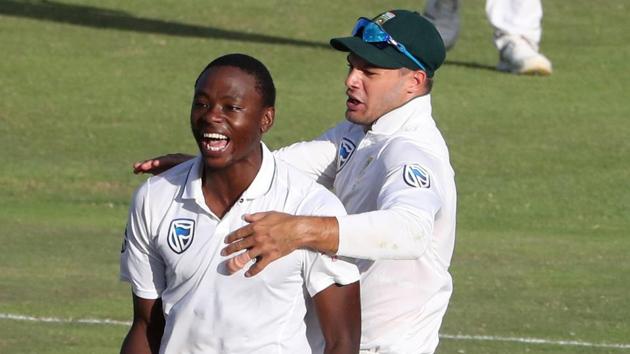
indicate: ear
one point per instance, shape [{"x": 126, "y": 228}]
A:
[
  {"x": 417, "y": 82},
  {"x": 267, "y": 119}
]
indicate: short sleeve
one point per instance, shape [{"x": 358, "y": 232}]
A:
[
  {"x": 140, "y": 264},
  {"x": 322, "y": 271}
]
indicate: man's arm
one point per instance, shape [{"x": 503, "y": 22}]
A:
[
  {"x": 339, "y": 312},
  {"x": 272, "y": 235},
  {"x": 147, "y": 328},
  {"x": 157, "y": 165},
  {"x": 381, "y": 234},
  {"x": 401, "y": 227}
]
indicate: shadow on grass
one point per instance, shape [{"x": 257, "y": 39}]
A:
[
  {"x": 471, "y": 65},
  {"x": 95, "y": 17}
]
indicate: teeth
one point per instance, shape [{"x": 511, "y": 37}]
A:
[{"x": 215, "y": 136}]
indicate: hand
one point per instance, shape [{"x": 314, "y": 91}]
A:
[
  {"x": 160, "y": 164},
  {"x": 269, "y": 236}
]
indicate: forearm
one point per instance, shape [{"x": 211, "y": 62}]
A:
[
  {"x": 146, "y": 331},
  {"x": 138, "y": 341},
  {"x": 384, "y": 234},
  {"x": 346, "y": 347},
  {"x": 320, "y": 233},
  {"x": 339, "y": 312},
  {"x": 160, "y": 164}
]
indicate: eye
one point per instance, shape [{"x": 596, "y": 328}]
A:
[
  {"x": 233, "y": 108},
  {"x": 369, "y": 73},
  {"x": 197, "y": 104}
]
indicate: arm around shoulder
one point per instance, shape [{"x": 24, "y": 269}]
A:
[{"x": 157, "y": 165}]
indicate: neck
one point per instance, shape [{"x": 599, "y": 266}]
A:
[{"x": 222, "y": 188}]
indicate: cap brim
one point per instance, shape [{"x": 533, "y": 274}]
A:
[{"x": 387, "y": 57}]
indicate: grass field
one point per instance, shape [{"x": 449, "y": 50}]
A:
[{"x": 542, "y": 163}]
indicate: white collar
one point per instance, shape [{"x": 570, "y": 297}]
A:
[
  {"x": 259, "y": 186},
  {"x": 262, "y": 182},
  {"x": 393, "y": 121}
]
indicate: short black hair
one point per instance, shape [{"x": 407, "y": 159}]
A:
[{"x": 252, "y": 66}]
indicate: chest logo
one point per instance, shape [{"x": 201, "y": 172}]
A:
[
  {"x": 416, "y": 176},
  {"x": 180, "y": 234},
  {"x": 346, "y": 148}
]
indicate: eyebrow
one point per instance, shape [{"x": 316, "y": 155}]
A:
[{"x": 203, "y": 94}]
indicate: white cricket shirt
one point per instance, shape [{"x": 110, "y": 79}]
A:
[
  {"x": 397, "y": 185},
  {"x": 172, "y": 248}
]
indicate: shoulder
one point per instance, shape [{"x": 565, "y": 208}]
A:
[
  {"x": 417, "y": 160},
  {"x": 341, "y": 130},
  {"x": 402, "y": 149},
  {"x": 346, "y": 126},
  {"x": 312, "y": 198},
  {"x": 173, "y": 178},
  {"x": 158, "y": 190}
]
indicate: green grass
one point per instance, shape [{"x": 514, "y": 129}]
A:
[{"x": 542, "y": 173}]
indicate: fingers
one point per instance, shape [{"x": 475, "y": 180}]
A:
[
  {"x": 255, "y": 216},
  {"x": 238, "y": 245},
  {"x": 248, "y": 230},
  {"x": 237, "y": 263},
  {"x": 258, "y": 267},
  {"x": 238, "y": 234},
  {"x": 137, "y": 167},
  {"x": 145, "y": 166}
]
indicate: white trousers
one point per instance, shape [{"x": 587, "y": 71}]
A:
[
  {"x": 507, "y": 17},
  {"x": 515, "y": 17}
]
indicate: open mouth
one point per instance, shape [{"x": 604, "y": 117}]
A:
[
  {"x": 352, "y": 102},
  {"x": 214, "y": 142}
]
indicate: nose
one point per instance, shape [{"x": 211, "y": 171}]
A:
[
  {"x": 214, "y": 113},
  {"x": 352, "y": 79}
]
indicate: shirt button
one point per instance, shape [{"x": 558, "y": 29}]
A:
[{"x": 240, "y": 200}]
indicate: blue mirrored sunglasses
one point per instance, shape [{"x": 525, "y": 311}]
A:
[{"x": 374, "y": 33}]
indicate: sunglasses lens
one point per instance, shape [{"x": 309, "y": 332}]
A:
[
  {"x": 372, "y": 33},
  {"x": 362, "y": 22}
]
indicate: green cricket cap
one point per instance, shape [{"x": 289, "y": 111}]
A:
[{"x": 414, "y": 31}]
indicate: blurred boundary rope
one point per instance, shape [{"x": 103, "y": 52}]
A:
[{"x": 9, "y": 316}]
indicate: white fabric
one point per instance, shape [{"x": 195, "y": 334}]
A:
[
  {"x": 515, "y": 17},
  {"x": 408, "y": 231},
  {"x": 207, "y": 310}
]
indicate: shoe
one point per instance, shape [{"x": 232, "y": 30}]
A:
[{"x": 519, "y": 56}]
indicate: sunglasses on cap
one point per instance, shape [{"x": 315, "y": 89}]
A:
[{"x": 374, "y": 33}]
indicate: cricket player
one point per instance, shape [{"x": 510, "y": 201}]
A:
[
  {"x": 517, "y": 28},
  {"x": 185, "y": 295},
  {"x": 389, "y": 165}
]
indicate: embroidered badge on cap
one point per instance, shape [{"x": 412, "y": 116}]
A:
[
  {"x": 381, "y": 19},
  {"x": 180, "y": 234},
  {"x": 416, "y": 176},
  {"x": 346, "y": 148}
]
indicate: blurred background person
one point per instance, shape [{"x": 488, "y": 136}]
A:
[{"x": 517, "y": 31}]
